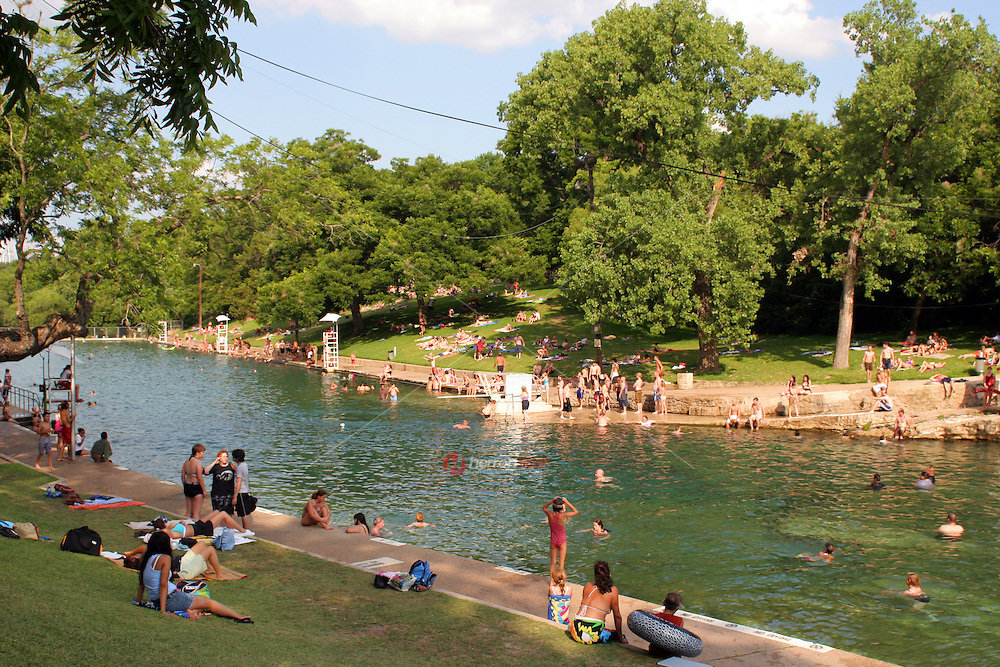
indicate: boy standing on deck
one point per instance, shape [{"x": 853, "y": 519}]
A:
[{"x": 44, "y": 442}]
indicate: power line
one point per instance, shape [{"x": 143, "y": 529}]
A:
[{"x": 632, "y": 158}]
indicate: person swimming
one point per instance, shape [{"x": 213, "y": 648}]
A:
[
  {"x": 600, "y": 477},
  {"x": 825, "y": 555},
  {"x": 877, "y": 484},
  {"x": 951, "y": 530},
  {"x": 913, "y": 588}
]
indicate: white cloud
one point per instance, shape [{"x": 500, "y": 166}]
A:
[{"x": 787, "y": 26}]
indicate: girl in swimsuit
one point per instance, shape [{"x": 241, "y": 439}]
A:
[
  {"x": 360, "y": 525},
  {"x": 557, "y": 530},
  {"x": 194, "y": 484},
  {"x": 599, "y": 598}
]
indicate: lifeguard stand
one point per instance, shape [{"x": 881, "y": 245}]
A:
[
  {"x": 222, "y": 334},
  {"x": 163, "y": 332},
  {"x": 56, "y": 389},
  {"x": 331, "y": 343}
]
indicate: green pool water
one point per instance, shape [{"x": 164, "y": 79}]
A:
[{"x": 719, "y": 516}]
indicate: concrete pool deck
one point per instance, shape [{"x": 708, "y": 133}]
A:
[{"x": 517, "y": 592}]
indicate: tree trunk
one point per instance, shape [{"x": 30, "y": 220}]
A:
[
  {"x": 295, "y": 325},
  {"x": 845, "y": 322},
  {"x": 22, "y": 342},
  {"x": 356, "y": 318},
  {"x": 917, "y": 309},
  {"x": 708, "y": 345},
  {"x": 421, "y": 309}
]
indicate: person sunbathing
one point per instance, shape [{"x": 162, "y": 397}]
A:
[
  {"x": 930, "y": 366},
  {"x": 205, "y": 526}
]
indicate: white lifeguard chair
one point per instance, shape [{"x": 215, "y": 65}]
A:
[
  {"x": 331, "y": 343},
  {"x": 163, "y": 332},
  {"x": 222, "y": 334}
]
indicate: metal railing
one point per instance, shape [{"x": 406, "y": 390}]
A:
[
  {"x": 24, "y": 399},
  {"x": 113, "y": 333}
]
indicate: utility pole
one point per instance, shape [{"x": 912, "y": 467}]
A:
[{"x": 198, "y": 264}]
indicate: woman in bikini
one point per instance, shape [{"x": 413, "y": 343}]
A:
[
  {"x": 205, "y": 527},
  {"x": 599, "y": 598},
  {"x": 194, "y": 482},
  {"x": 316, "y": 512},
  {"x": 557, "y": 530}
]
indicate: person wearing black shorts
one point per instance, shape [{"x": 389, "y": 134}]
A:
[
  {"x": 243, "y": 502},
  {"x": 223, "y": 474}
]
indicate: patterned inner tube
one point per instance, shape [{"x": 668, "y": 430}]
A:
[{"x": 664, "y": 634}]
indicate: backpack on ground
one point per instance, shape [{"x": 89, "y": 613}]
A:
[
  {"x": 7, "y": 529},
  {"x": 226, "y": 540},
  {"x": 82, "y": 540},
  {"x": 422, "y": 575}
]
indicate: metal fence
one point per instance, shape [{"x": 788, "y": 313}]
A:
[{"x": 114, "y": 333}]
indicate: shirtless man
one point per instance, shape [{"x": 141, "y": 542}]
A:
[
  {"x": 888, "y": 357},
  {"x": 463, "y": 425},
  {"x": 44, "y": 442},
  {"x": 951, "y": 529},
  {"x": 733, "y": 421},
  {"x": 193, "y": 480},
  {"x": 637, "y": 387},
  {"x": 902, "y": 425},
  {"x": 393, "y": 392},
  {"x": 868, "y": 363}
]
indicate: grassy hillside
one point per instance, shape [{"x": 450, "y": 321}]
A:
[{"x": 768, "y": 360}]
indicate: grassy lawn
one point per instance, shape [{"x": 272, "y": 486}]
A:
[
  {"x": 74, "y": 609},
  {"x": 777, "y": 358}
]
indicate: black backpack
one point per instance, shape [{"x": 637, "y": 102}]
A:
[{"x": 82, "y": 540}]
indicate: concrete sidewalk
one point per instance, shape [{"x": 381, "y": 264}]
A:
[{"x": 517, "y": 592}]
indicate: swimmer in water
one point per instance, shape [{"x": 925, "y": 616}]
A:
[
  {"x": 951, "y": 530},
  {"x": 420, "y": 523},
  {"x": 678, "y": 431},
  {"x": 825, "y": 555},
  {"x": 463, "y": 425},
  {"x": 602, "y": 420},
  {"x": 914, "y": 590},
  {"x": 600, "y": 477},
  {"x": 645, "y": 423},
  {"x": 599, "y": 529},
  {"x": 877, "y": 484}
]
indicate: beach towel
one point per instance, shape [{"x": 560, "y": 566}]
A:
[{"x": 104, "y": 502}]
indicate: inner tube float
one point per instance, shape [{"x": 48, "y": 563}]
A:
[
  {"x": 664, "y": 634},
  {"x": 924, "y": 484}
]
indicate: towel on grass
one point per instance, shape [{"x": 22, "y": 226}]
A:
[{"x": 105, "y": 503}]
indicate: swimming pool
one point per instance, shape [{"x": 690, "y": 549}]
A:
[{"x": 718, "y": 516}]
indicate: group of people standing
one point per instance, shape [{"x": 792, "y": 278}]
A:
[{"x": 230, "y": 484}]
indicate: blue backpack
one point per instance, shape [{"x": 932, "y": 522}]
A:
[{"x": 421, "y": 571}]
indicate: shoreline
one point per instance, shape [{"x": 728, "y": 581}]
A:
[
  {"x": 504, "y": 588},
  {"x": 841, "y": 408}
]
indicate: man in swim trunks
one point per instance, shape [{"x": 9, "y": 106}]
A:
[
  {"x": 902, "y": 425},
  {"x": 868, "y": 362},
  {"x": 888, "y": 357},
  {"x": 194, "y": 482}
]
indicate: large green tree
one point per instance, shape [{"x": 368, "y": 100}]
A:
[
  {"x": 66, "y": 156},
  {"x": 169, "y": 53},
  {"x": 647, "y": 96},
  {"x": 927, "y": 86}
]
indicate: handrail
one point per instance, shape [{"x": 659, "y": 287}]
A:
[{"x": 24, "y": 399}]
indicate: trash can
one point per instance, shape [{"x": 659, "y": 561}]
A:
[
  {"x": 392, "y": 354},
  {"x": 980, "y": 365},
  {"x": 685, "y": 380}
]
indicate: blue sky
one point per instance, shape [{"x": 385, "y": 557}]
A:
[{"x": 462, "y": 58}]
